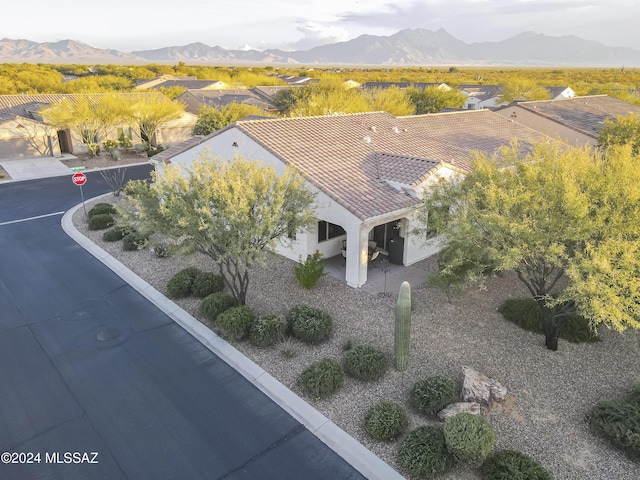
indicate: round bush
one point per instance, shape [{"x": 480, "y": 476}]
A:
[
  {"x": 619, "y": 422},
  {"x": 365, "y": 362},
  {"x": 181, "y": 284},
  {"x": 235, "y": 322},
  {"x": 310, "y": 324},
  {"x": 512, "y": 465},
  {"x": 134, "y": 241},
  {"x": 100, "y": 208},
  {"x": 267, "y": 330},
  {"x": 322, "y": 378},
  {"x": 216, "y": 303},
  {"x": 423, "y": 453},
  {"x": 386, "y": 421},
  {"x": 116, "y": 233},
  {"x": 101, "y": 221},
  {"x": 206, "y": 283},
  {"x": 469, "y": 437},
  {"x": 433, "y": 394}
]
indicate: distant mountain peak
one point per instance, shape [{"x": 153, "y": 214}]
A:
[{"x": 405, "y": 48}]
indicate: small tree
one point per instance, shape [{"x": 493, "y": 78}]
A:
[
  {"x": 91, "y": 117},
  {"x": 621, "y": 131},
  {"x": 232, "y": 211},
  {"x": 434, "y": 99},
  {"x": 553, "y": 212},
  {"x": 211, "y": 119},
  {"x": 147, "y": 112},
  {"x": 522, "y": 89}
]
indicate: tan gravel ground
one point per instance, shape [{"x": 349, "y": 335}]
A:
[{"x": 549, "y": 392}]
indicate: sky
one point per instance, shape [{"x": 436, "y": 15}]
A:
[{"x": 128, "y": 25}]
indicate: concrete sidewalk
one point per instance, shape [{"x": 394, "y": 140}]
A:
[{"x": 30, "y": 168}]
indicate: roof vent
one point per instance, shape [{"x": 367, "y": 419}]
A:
[
  {"x": 395, "y": 130},
  {"x": 372, "y": 128}
]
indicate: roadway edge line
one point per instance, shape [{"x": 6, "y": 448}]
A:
[{"x": 347, "y": 447}]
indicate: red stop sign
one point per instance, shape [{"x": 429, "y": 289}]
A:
[{"x": 79, "y": 178}]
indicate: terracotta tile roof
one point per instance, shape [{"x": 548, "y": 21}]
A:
[
  {"x": 332, "y": 153},
  {"x": 584, "y": 114}
]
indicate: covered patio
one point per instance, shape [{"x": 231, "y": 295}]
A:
[{"x": 383, "y": 277}]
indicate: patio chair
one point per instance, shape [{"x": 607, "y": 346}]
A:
[{"x": 373, "y": 256}]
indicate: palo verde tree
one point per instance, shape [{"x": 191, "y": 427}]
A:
[
  {"x": 90, "y": 117},
  {"x": 555, "y": 212},
  {"x": 147, "y": 112},
  {"x": 620, "y": 131},
  {"x": 523, "y": 89},
  {"x": 433, "y": 99},
  {"x": 233, "y": 211},
  {"x": 211, "y": 118}
]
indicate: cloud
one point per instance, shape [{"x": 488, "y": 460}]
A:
[{"x": 315, "y": 34}]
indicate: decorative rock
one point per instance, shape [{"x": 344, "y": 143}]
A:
[
  {"x": 455, "y": 408},
  {"x": 479, "y": 388}
]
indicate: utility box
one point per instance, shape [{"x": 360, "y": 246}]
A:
[{"x": 396, "y": 250}]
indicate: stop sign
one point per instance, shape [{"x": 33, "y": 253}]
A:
[{"x": 79, "y": 178}]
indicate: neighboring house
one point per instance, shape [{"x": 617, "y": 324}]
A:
[
  {"x": 25, "y": 134},
  {"x": 194, "y": 99},
  {"x": 190, "y": 83},
  {"x": 576, "y": 121},
  {"x": 296, "y": 81},
  {"x": 558, "y": 93},
  {"x": 481, "y": 96},
  {"x": 488, "y": 96},
  {"x": 403, "y": 85},
  {"x": 369, "y": 172}
]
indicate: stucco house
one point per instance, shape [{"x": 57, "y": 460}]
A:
[
  {"x": 369, "y": 172},
  {"x": 576, "y": 121},
  {"x": 25, "y": 134}
]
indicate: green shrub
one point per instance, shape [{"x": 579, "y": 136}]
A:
[
  {"x": 289, "y": 347},
  {"x": 512, "y": 465},
  {"x": 523, "y": 312},
  {"x": 309, "y": 272},
  {"x": 386, "y": 421},
  {"x": 423, "y": 453},
  {"x": 115, "y": 155},
  {"x": 116, "y": 233},
  {"x": 134, "y": 241},
  {"x": 310, "y": 324},
  {"x": 100, "y": 208},
  {"x": 154, "y": 151},
  {"x": 322, "y": 378},
  {"x": 235, "y": 322},
  {"x": 109, "y": 145},
  {"x": 216, "y": 303},
  {"x": 365, "y": 362},
  {"x": 181, "y": 284},
  {"x": 469, "y": 437},
  {"x": 619, "y": 422},
  {"x": 267, "y": 330},
  {"x": 100, "y": 221},
  {"x": 124, "y": 141},
  {"x": 206, "y": 283},
  {"x": 433, "y": 394}
]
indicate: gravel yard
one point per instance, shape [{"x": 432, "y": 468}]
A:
[{"x": 549, "y": 393}]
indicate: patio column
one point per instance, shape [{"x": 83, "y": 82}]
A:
[{"x": 357, "y": 260}]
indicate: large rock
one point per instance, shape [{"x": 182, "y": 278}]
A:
[
  {"x": 481, "y": 389},
  {"x": 455, "y": 408}
]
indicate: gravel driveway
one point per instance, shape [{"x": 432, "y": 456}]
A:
[{"x": 549, "y": 392}]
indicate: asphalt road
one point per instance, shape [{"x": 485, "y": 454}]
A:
[{"x": 97, "y": 383}]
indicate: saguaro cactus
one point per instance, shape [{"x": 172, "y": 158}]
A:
[{"x": 403, "y": 326}]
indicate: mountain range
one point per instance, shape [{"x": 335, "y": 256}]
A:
[{"x": 405, "y": 48}]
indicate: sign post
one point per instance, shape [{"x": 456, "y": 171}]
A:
[{"x": 80, "y": 179}]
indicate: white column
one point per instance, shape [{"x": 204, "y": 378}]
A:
[{"x": 357, "y": 257}]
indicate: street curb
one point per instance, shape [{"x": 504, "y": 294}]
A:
[{"x": 352, "y": 451}]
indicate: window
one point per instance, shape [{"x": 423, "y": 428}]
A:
[
  {"x": 328, "y": 230},
  {"x": 124, "y": 132}
]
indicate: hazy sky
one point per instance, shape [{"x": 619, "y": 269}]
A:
[{"x": 301, "y": 24}]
